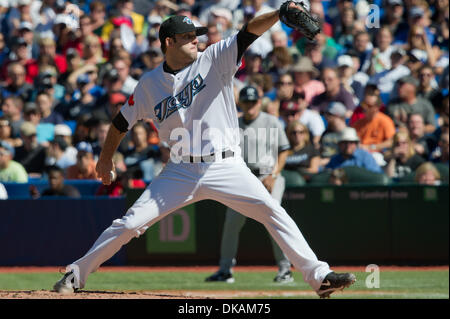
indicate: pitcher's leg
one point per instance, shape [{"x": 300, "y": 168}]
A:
[
  {"x": 167, "y": 193},
  {"x": 230, "y": 239},
  {"x": 235, "y": 186},
  {"x": 281, "y": 259}
]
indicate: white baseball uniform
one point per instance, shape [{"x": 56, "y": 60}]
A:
[{"x": 197, "y": 98}]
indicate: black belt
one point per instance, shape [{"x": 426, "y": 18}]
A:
[{"x": 210, "y": 158}]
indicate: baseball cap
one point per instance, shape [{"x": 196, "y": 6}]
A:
[
  {"x": 8, "y": 147},
  {"x": 337, "y": 109},
  {"x": 395, "y": 2},
  {"x": 62, "y": 130},
  {"x": 28, "y": 129},
  {"x": 416, "y": 12},
  {"x": 116, "y": 98},
  {"x": 179, "y": 24},
  {"x": 409, "y": 79},
  {"x": 345, "y": 60},
  {"x": 154, "y": 19},
  {"x": 289, "y": 105},
  {"x": 248, "y": 94},
  {"x": 25, "y": 25},
  {"x": 29, "y": 107},
  {"x": 84, "y": 147},
  {"x": 83, "y": 79},
  {"x": 348, "y": 134},
  {"x": 222, "y": 12}
]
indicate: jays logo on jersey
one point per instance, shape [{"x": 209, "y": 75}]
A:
[
  {"x": 187, "y": 20},
  {"x": 184, "y": 99}
]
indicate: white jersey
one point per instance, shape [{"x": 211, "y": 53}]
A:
[{"x": 198, "y": 99}]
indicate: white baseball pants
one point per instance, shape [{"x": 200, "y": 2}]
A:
[{"x": 228, "y": 181}]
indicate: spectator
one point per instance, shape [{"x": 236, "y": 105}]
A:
[
  {"x": 142, "y": 156},
  {"x": 56, "y": 154},
  {"x": 296, "y": 110},
  {"x": 20, "y": 56},
  {"x": 101, "y": 130},
  {"x": 5, "y": 133},
  {"x": 4, "y": 50},
  {"x": 344, "y": 29},
  {"x": 303, "y": 156},
  {"x": 305, "y": 75},
  {"x": 408, "y": 102},
  {"x": 375, "y": 129},
  {"x": 334, "y": 92},
  {"x": 418, "y": 42},
  {"x": 47, "y": 47},
  {"x": 393, "y": 18},
  {"x": 338, "y": 177},
  {"x": 92, "y": 50},
  {"x": 335, "y": 116},
  {"x": 351, "y": 155},
  {"x": 17, "y": 86},
  {"x": 381, "y": 55},
  {"x": 253, "y": 65},
  {"x": 10, "y": 171},
  {"x": 31, "y": 155},
  {"x": 386, "y": 80},
  {"x": 357, "y": 76},
  {"x": 57, "y": 186},
  {"x": 97, "y": 11},
  {"x": 441, "y": 153},
  {"x": 423, "y": 143},
  {"x": 427, "y": 174},
  {"x": 12, "y": 109},
  {"x": 44, "y": 103},
  {"x": 402, "y": 159},
  {"x": 64, "y": 131},
  {"x": 285, "y": 90},
  {"x": 281, "y": 62},
  {"x": 345, "y": 70},
  {"x": 123, "y": 68},
  {"x": 426, "y": 83},
  {"x": 314, "y": 51},
  {"x": 31, "y": 113},
  {"x": 109, "y": 110},
  {"x": 85, "y": 165},
  {"x": 362, "y": 45}
]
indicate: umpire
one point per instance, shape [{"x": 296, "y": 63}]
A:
[{"x": 265, "y": 154}]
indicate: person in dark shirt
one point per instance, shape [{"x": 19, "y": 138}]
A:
[
  {"x": 303, "y": 156},
  {"x": 57, "y": 186},
  {"x": 31, "y": 155}
]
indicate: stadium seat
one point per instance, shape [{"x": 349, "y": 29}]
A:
[
  {"x": 293, "y": 178},
  {"x": 355, "y": 175}
]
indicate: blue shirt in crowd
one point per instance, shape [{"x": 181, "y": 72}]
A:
[{"x": 360, "y": 158}]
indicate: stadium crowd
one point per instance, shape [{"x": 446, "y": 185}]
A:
[{"x": 370, "y": 91}]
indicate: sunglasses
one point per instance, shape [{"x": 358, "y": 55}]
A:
[
  {"x": 298, "y": 132},
  {"x": 285, "y": 83}
]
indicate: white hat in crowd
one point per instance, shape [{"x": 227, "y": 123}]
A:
[{"x": 348, "y": 134}]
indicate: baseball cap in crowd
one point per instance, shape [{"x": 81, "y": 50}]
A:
[
  {"x": 184, "y": 7},
  {"x": 84, "y": 147},
  {"x": 409, "y": 79},
  {"x": 117, "y": 98},
  {"x": 416, "y": 12},
  {"x": 30, "y": 107},
  {"x": 395, "y": 2},
  {"x": 179, "y": 24},
  {"x": 62, "y": 130},
  {"x": 154, "y": 19},
  {"x": 25, "y": 25},
  {"x": 337, "y": 109},
  {"x": 348, "y": 134},
  {"x": 248, "y": 94},
  {"x": 28, "y": 129},
  {"x": 8, "y": 147},
  {"x": 83, "y": 79},
  {"x": 289, "y": 106},
  {"x": 345, "y": 60}
]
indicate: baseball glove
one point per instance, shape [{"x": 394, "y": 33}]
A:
[{"x": 299, "y": 19}]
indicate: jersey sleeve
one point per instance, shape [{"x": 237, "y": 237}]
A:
[
  {"x": 137, "y": 106},
  {"x": 223, "y": 55}
]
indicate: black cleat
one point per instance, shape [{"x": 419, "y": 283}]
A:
[
  {"x": 333, "y": 282},
  {"x": 284, "y": 277},
  {"x": 66, "y": 284},
  {"x": 221, "y": 276}
]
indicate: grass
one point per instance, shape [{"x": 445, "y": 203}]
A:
[{"x": 393, "y": 284}]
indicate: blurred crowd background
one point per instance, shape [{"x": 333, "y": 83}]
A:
[{"x": 370, "y": 91}]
